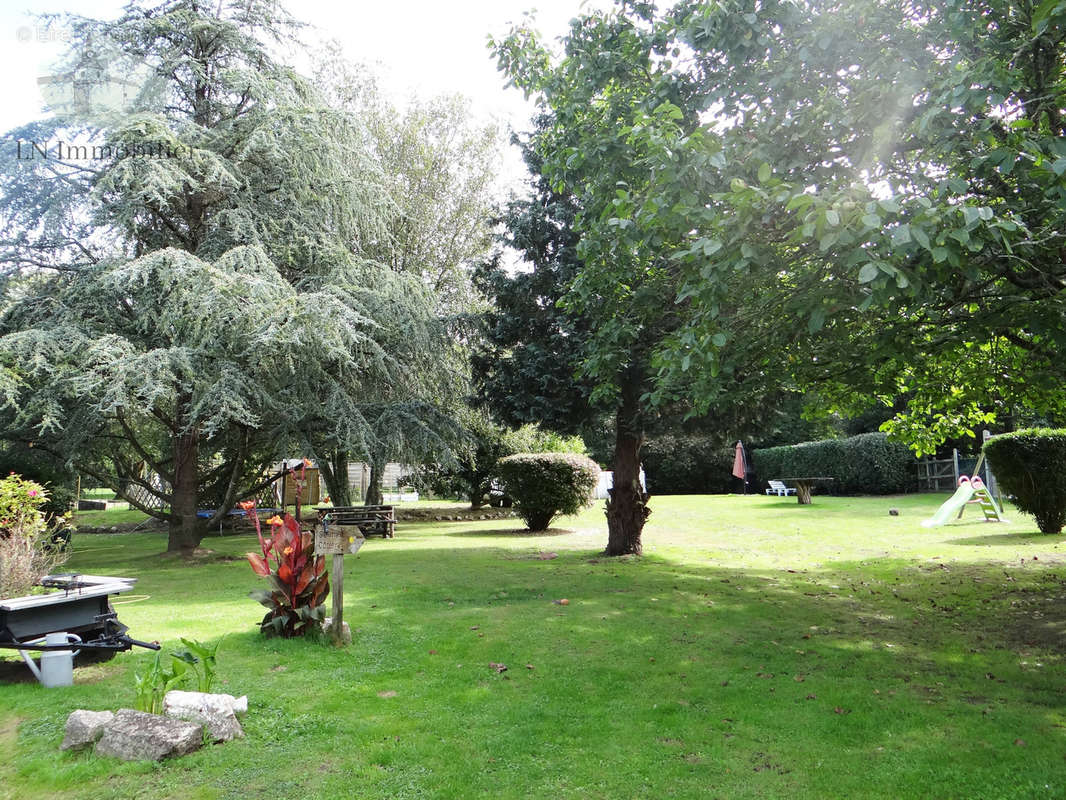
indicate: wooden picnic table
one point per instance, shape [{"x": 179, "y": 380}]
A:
[
  {"x": 371, "y": 520},
  {"x": 804, "y": 486}
]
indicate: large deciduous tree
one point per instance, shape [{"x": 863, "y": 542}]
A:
[
  {"x": 192, "y": 293},
  {"x": 623, "y": 135},
  {"x": 880, "y": 207},
  {"x": 439, "y": 166}
]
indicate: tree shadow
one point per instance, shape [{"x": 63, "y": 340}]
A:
[
  {"x": 516, "y": 533},
  {"x": 1010, "y": 539}
]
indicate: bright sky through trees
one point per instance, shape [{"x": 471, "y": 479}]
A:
[{"x": 417, "y": 46}]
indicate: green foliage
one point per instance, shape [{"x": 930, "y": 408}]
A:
[
  {"x": 1030, "y": 465},
  {"x": 151, "y": 686},
  {"x": 32, "y": 544},
  {"x": 681, "y": 464},
  {"x": 207, "y": 310},
  {"x": 525, "y": 367},
  {"x": 545, "y": 485},
  {"x": 298, "y": 579},
  {"x": 20, "y": 507},
  {"x": 438, "y": 167},
  {"x": 202, "y": 660},
  {"x": 484, "y": 443},
  {"x": 866, "y": 464},
  {"x": 888, "y": 194},
  {"x": 32, "y": 463}
]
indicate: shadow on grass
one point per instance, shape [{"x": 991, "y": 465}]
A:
[
  {"x": 909, "y": 678},
  {"x": 520, "y": 533},
  {"x": 1010, "y": 539}
]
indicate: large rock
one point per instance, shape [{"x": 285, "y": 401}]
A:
[
  {"x": 217, "y": 703},
  {"x": 84, "y": 728},
  {"x": 137, "y": 736},
  {"x": 216, "y": 712}
]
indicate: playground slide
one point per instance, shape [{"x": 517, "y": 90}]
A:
[{"x": 951, "y": 507}]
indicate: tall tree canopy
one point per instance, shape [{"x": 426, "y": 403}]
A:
[
  {"x": 197, "y": 294},
  {"x": 439, "y": 168},
  {"x": 879, "y": 206}
]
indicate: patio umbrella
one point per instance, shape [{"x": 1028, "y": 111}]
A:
[{"x": 740, "y": 465}]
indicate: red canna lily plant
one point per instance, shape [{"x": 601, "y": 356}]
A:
[{"x": 298, "y": 578}]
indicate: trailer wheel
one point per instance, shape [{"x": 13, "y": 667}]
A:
[{"x": 91, "y": 655}]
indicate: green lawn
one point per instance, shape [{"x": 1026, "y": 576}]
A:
[{"x": 759, "y": 649}]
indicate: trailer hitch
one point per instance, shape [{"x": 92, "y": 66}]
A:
[{"x": 117, "y": 643}]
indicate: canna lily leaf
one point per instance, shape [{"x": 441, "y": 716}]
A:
[
  {"x": 285, "y": 574},
  {"x": 258, "y": 563},
  {"x": 291, "y": 525}
]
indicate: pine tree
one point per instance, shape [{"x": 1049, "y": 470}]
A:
[{"x": 198, "y": 295}]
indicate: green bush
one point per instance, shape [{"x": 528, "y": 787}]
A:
[
  {"x": 36, "y": 466},
  {"x": 545, "y": 485},
  {"x": 1029, "y": 464},
  {"x": 864, "y": 464},
  {"x": 688, "y": 465},
  {"x": 26, "y": 550}
]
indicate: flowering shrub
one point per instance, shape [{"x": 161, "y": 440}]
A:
[
  {"x": 27, "y": 551},
  {"x": 298, "y": 579}
]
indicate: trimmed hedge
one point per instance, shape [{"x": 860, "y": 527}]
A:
[
  {"x": 545, "y": 485},
  {"x": 864, "y": 464},
  {"x": 688, "y": 465},
  {"x": 1030, "y": 464}
]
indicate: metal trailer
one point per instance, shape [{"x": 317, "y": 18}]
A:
[{"x": 79, "y": 605}]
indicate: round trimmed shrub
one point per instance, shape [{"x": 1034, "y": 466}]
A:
[
  {"x": 1030, "y": 464},
  {"x": 545, "y": 485}
]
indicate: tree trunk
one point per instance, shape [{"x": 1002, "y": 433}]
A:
[
  {"x": 334, "y": 470},
  {"x": 477, "y": 497},
  {"x": 373, "y": 489},
  {"x": 186, "y": 529},
  {"x": 627, "y": 508}
]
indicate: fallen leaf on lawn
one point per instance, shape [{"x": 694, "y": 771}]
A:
[
  {"x": 812, "y": 697},
  {"x": 529, "y": 666},
  {"x": 387, "y": 694},
  {"x": 498, "y": 667},
  {"x": 474, "y": 627},
  {"x": 433, "y": 652},
  {"x": 1020, "y": 742},
  {"x": 562, "y": 602},
  {"x": 839, "y": 710},
  {"x": 799, "y": 678}
]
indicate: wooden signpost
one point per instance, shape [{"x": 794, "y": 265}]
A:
[{"x": 336, "y": 540}]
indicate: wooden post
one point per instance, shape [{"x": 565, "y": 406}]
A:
[{"x": 337, "y": 627}]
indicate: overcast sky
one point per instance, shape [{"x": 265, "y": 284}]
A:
[{"x": 425, "y": 47}]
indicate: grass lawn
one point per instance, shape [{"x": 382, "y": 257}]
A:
[{"x": 759, "y": 649}]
